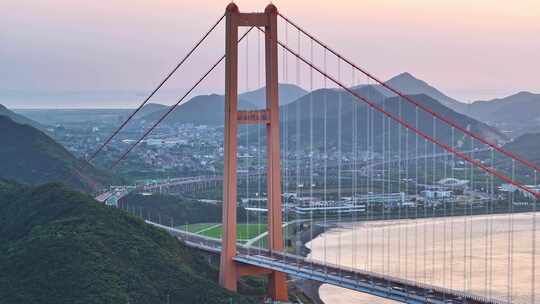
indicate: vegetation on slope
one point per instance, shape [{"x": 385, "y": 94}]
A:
[
  {"x": 60, "y": 246},
  {"x": 526, "y": 146},
  {"x": 30, "y": 156},
  {"x": 19, "y": 118},
  {"x": 181, "y": 210}
]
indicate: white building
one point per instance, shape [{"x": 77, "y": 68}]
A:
[
  {"x": 436, "y": 194},
  {"x": 389, "y": 199},
  {"x": 318, "y": 207}
]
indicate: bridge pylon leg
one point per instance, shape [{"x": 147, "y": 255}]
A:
[
  {"x": 277, "y": 280},
  {"x": 229, "y": 270}
]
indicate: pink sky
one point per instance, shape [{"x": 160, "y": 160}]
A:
[{"x": 469, "y": 49}]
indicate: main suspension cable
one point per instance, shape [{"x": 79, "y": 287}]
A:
[
  {"x": 419, "y": 132},
  {"x": 412, "y": 101},
  {"x": 171, "y": 73}
]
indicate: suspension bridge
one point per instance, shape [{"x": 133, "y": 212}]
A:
[{"x": 356, "y": 141}]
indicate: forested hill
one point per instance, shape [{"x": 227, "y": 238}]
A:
[
  {"x": 328, "y": 109},
  {"x": 60, "y": 246},
  {"x": 178, "y": 209},
  {"x": 32, "y": 157},
  {"x": 526, "y": 146},
  {"x": 20, "y": 118}
]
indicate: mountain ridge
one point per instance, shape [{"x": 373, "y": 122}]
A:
[
  {"x": 408, "y": 84},
  {"x": 326, "y": 111},
  {"x": 21, "y": 119},
  {"x": 519, "y": 112},
  {"x": 210, "y": 109},
  {"x": 31, "y": 156},
  {"x": 526, "y": 146}
]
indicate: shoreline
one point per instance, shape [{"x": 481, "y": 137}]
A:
[{"x": 308, "y": 288}]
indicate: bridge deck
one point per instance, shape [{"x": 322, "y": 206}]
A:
[{"x": 388, "y": 287}]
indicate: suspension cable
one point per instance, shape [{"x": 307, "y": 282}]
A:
[
  {"x": 259, "y": 218},
  {"x": 445, "y": 218},
  {"x": 407, "y": 190},
  {"x": 285, "y": 132},
  {"x": 533, "y": 280},
  {"x": 298, "y": 143},
  {"x": 434, "y": 207},
  {"x": 246, "y": 230},
  {"x": 354, "y": 178},
  {"x": 465, "y": 239},
  {"x": 340, "y": 157},
  {"x": 184, "y": 59},
  {"x": 511, "y": 242},
  {"x": 411, "y": 100},
  {"x": 425, "y": 223},
  {"x": 486, "y": 238},
  {"x": 399, "y": 190},
  {"x": 325, "y": 99},
  {"x": 492, "y": 195},
  {"x": 416, "y": 176},
  {"x": 311, "y": 184},
  {"x": 172, "y": 108},
  {"x": 371, "y": 132},
  {"x": 409, "y": 126},
  {"x": 383, "y": 190},
  {"x": 452, "y": 207},
  {"x": 471, "y": 220}
]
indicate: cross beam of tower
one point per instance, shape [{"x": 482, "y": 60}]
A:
[{"x": 230, "y": 271}]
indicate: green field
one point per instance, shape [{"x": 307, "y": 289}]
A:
[
  {"x": 196, "y": 228},
  {"x": 214, "y": 230}
]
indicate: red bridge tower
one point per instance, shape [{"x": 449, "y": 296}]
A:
[{"x": 230, "y": 271}]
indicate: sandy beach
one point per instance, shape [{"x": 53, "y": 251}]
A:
[{"x": 440, "y": 251}]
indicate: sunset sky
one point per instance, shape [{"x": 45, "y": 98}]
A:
[{"x": 470, "y": 50}]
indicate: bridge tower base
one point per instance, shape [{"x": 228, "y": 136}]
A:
[{"x": 230, "y": 271}]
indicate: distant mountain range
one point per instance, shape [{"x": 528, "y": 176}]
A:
[
  {"x": 355, "y": 115},
  {"x": 514, "y": 115},
  {"x": 210, "y": 109},
  {"x": 519, "y": 113},
  {"x": 200, "y": 110},
  {"x": 32, "y": 157},
  {"x": 287, "y": 94},
  {"x": 526, "y": 146},
  {"x": 407, "y": 84},
  {"x": 500, "y": 112}
]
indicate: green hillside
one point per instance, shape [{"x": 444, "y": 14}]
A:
[
  {"x": 19, "y": 118},
  {"x": 180, "y": 210},
  {"x": 32, "y": 157},
  {"x": 518, "y": 113},
  {"x": 526, "y": 146},
  {"x": 59, "y": 246}
]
